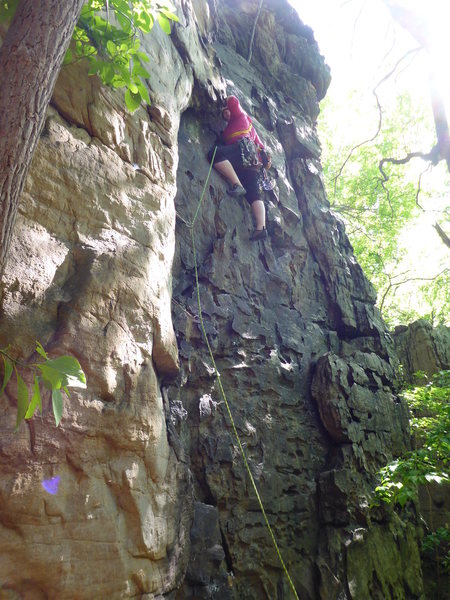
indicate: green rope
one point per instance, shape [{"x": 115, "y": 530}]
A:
[{"x": 222, "y": 391}]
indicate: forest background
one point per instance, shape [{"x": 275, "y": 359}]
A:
[{"x": 379, "y": 106}]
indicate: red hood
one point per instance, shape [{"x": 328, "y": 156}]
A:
[{"x": 233, "y": 106}]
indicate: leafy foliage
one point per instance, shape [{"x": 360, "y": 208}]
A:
[
  {"x": 106, "y": 35},
  {"x": 436, "y": 548},
  {"x": 437, "y": 299},
  {"x": 108, "y": 40},
  {"x": 427, "y": 462},
  {"x": 435, "y": 553},
  {"x": 430, "y": 429},
  {"x": 7, "y": 9},
  {"x": 54, "y": 374},
  {"x": 377, "y": 209}
]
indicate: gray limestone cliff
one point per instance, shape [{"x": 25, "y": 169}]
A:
[{"x": 153, "y": 499}]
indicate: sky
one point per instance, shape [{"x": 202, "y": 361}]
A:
[
  {"x": 361, "y": 33},
  {"x": 361, "y": 42}
]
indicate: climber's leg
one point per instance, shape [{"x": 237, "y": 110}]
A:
[
  {"x": 259, "y": 214},
  {"x": 225, "y": 159},
  {"x": 225, "y": 168},
  {"x": 251, "y": 180}
]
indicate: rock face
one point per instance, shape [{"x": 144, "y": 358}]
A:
[
  {"x": 90, "y": 275},
  {"x": 153, "y": 498},
  {"x": 420, "y": 347}
]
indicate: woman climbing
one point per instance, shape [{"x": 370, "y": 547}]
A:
[{"x": 240, "y": 157}]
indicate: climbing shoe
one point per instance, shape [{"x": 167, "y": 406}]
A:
[
  {"x": 236, "y": 190},
  {"x": 258, "y": 234}
]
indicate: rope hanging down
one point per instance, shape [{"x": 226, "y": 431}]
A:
[{"x": 222, "y": 391}]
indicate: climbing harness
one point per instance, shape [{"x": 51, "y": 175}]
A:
[
  {"x": 249, "y": 153},
  {"x": 219, "y": 381}
]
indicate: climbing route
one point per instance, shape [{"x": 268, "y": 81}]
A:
[{"x": 222, "y": 391}]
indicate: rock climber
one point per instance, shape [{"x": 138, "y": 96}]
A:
[{"x": 240, "y": 157}]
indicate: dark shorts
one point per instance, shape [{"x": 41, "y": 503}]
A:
[{"x": 248, "y": 177}]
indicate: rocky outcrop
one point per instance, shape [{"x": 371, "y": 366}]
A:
[
  {"x": 153, "y": 498},
  {"x": 301, "y": 351},
  {"x": 90, "y": 275},
  {"x": 420, "y": 347}
]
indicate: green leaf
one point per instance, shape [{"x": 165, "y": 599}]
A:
[
  {"x": 71, "y": 368},
  {"x": 104, "y": 69},
  {"x": 111, "y": 47},
  {"x": 170, "y": 15},
  {"x": 89, "y": 50},
  {"x": 139, "y": 71},
  {"x": 94, "y": 66},
  {"x": 132, "y": 101},
  {"x": 107, "y": 73},
  {"x": 118, "y": 82},
  {"x": 40, "y": 350},
  {"x": 163, "y": 23},
  {"x": 57, "y": 402},
  {"x": 145, "y": 22},
  {"x": 61, "y": 371},
  {"x": 124, "y": 73},
  {"x": 35, "y": 400},
  {"x": 86, "y": 12},
  {"x": 123, "y": 6},
  {"x": 7, "y": 10},
  {"x": 143, "y": 91},
  {"x": 143, "y": 56},
  {"x": 68, "y": 57},
  {"x": 7, "y": 372},
  {"x": 124, "y": 22},
  {"x": 52, "y": 379},
  {"x": 22, "y": 399}
]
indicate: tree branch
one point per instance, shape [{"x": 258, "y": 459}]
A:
[
  {"x": 398, "y": 283},
  {"x": 440, "y": 125},
  {"x": 429, "y": 156},
  {"x": 419, "y": 187},
  {"x": 361, "y": 143},
  {"x": 380, "y": 113},
  {"x": 444, "y": 237}
]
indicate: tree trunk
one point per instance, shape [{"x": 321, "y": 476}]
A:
[
  {"x": 440, "y": 124},
  {"x": 30, "y": 58}
]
